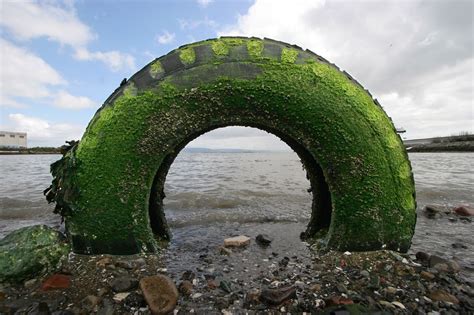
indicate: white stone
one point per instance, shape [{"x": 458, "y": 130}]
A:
[
  {"x": 237, "y": 241},
  {"x": 399, "y": 305},
  {"x": 196, "y": 295},
  {"x": 120, "y": 296}
]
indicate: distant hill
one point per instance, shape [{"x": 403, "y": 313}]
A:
[
  {"x": 207, "y": 150},
  {"x": 459, "y": 143}
]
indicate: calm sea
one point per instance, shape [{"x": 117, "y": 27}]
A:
[{"x": 233, "y": 189}]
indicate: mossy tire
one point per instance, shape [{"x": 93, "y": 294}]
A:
[{"x": 112, "y": 182}]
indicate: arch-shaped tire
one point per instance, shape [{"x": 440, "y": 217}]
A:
[{"x": 109, "y": 186}]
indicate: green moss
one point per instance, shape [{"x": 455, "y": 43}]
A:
[
  {"x": 29, "y": 252},
  {"x": 255, "y": 48},
  {"x": 220, "y": 48},
  {"x": 187, "y": 55},
  {"x": 156, "y": 69},
  {"x": 289, "y": 55},
  {"x": 314, "y": 104},
  {"x": 130, "y": 90},
  {"x": 232, "y": 41}
]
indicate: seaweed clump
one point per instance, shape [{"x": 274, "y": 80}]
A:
[{"x": 63, "y": 189}]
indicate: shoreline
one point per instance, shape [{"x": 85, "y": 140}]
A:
[{"x": 253, "y": 279}]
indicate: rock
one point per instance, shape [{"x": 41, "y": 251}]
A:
[
  {"x": 37, "y": 308},
  {"x": 386, "y": 304},
  {"x": 107, "y": 307},
  {"x": 188, "y": 275},
  {"x": 390, "y": 290},
  {"x": 30, "y": 283},
  {"x": 134, "y": 300},
  {"x": 440, "y": 295},
  {"x": 57, "y": 302},
  {"x": 104, "y": 262},
  {"x": 139, "y": 262},
  {"x": 237, "y": 241},
  {"x": 224, "y": 251},
  {"x": 211, "y": 284},
  {"x": 90, "y": 302},
  {"x": 458, "y": 246},
  {"x": 196, "y": 296},
  {"x": 284, "y": 262},
  {"x": 252, "y": 297},
  {"x": 263, "y": 239},
  {"x": 123, "y": 284},
  {"x": 399, "y": 305},
  {"x": 427, "y": 275},
  {"x": 341, "y": 288},
  {"x": 125, "y": 264},
  {"x": 30, "y": 251},
  {"x": 441, "y": 267},
  {"x": 277, "y": 296},
  {"x": 338, "y": 300},
  {"x": 365, "y": 273},
  {"x": 222, "y": 302},
  {"x": 315, "y": 288},
  {"x": 119, "y": 297},
  {"x": 225, "y": 286},
  {"x": 374, "y": 282},
  {"x": 464, "y": 211},
  {"x": 56, "y": 281},
  {"x": 68, "y": 312},
  {"x": 422, "y": 256},
  {"x": 160, "y": 293},
  {"x": 434, "y": 211},
  {"x": 186, "y": 287},
  {"x": 103, "y": 291},
  {"x": 454, "y": 266},
  {"x": 434, "y": 260}
]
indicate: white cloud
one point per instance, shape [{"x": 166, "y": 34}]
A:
[
  {"x": 442, "y": 106},
  {"x": 65, "y": 100},
  {"x": 24, "y": 74},
  {"x": 43, "y": 133},
  {"x": 165, "y": 37},
  {"x": 7, "y": 101},
  {"x": 204, "y": 3},
  {"x": 115, "y": 60},
  {"x": 419, "y": 51},
  {"x": 242, "y": 137},
  {"x": 27, "y": 76},
  {"x": 30, "y": 20}
]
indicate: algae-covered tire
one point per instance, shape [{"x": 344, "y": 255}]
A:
[{"x": 110, "y": 186}]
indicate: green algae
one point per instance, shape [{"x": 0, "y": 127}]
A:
[
  {"x": 30, "y": 252},
  {"x": 220, "y": 48},
  {"x": 315, "y": 107},
  {"x": 289, "y": 55},
  {"x": 255, "y": 48},
  {"x": 156, "y": 69},
  {"x": 187, "y": 55}
]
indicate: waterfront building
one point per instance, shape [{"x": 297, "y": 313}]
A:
[{"x": 9, "y": 139}]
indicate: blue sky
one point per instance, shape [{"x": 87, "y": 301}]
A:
[{"x": 61, "y": 59}]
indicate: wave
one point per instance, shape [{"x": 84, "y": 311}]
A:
[
  {"x": 233, "y": 199},
  {"x": 11, "y": 208}
]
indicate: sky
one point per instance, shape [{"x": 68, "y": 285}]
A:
[{"x": 60, "y": 60}]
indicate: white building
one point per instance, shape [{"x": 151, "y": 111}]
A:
[{"x": 10, "y": 139}]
